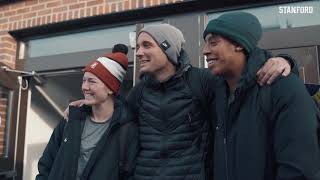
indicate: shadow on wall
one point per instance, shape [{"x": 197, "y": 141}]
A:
[
  {"x": 34, "y": 153},
  {"x": 41, "y": 107}
]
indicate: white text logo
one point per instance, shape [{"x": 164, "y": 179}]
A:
[{"x": 295, "y": 9}]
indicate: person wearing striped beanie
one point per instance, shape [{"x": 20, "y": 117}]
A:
[
  {"x": 110, "y": 68},
  {"x": 88, "y": 144}
]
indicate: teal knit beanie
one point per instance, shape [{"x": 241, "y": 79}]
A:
[{"x": 241, "y": 27}]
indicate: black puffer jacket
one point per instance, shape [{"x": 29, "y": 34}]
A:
[
  {"x": 173, "y": 127},
  {"x": 60, "y": 158},
  {"x": 254, "y": 143}
]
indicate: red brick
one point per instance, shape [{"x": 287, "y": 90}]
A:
[
  {"x": 33, "y": 22},
  {"x": 44, "y": 1},
  {"x": 24, "y": 24},
  {"x": 23, "y": 10},
  {"x": 4, "y": 20},
  {"x": 39, "y": 20},
  {"x": 60, "y": 9},
  {"x": 15, "y": 18},
  {"x": 88, "y": 12},
  {"x": 37, "y": 7},
  {"x": 10, "y": 13},
  {"x": 54, "y": 18},
  {"x": 100, "y": 10},
  {"x": 4, "y": 8},
  {"x": 75, "y": 14},
  {"x": 69, "y": 15},
  {"x": 113, "y": 7},
  {"x": 65, "y": 15},
  {"x": 8, "y": 51},
  {"x": 133, "y": 4},
  {"x": 53, "y": 4},
  {"x": 60, "y": 17},
  {"x": 31, "y": 2},
  {"x": 5, "y": 45},
  {"x": 48, "y": 20},
  {"x": 94, "y": 3},
  {"x": 14, "y": 27},
  {"x": 29, "y": 15},
  {"x": 126, "y": 5},
  {"x": 140, "y": 3},
  {"x": 44, "y": 12},
  {"x": 43, "y": 20},
  {"x": 17, "y": 5},
  {"x": 147, "y": 3},
  {"x": 76, "y": 6},
  {"x": 94, "y": 11},
  {"x": 69, "y": 1},
  {"x": 107, "y": 8},
  {"x": 29, "y": 23},
  {"x": 82, "y": 13},
  {"x": 8, "y": 39}
]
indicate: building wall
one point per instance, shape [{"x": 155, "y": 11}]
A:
[
  {"x": 31, "y": 13},
  {"x": 23, "y": 14}
]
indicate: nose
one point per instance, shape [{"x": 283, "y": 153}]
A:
[
  {"x": 85, "y": 85},
  {"x": 205, "y": 50},
  {"x": 139, "y": 52}
]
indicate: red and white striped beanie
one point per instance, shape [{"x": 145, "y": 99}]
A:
[{"x": 110, "y": 69}]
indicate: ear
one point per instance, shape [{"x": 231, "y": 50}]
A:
[
  {"x": 239, "y": 48},
  {"x": 110, "y": 93}
]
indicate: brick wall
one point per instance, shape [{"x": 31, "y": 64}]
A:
[
  {"x": 3, "y": 111},
  {"x": 31, "y": 13}
]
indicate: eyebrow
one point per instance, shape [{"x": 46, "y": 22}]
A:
[
  {"x": 89, "y": 78},
  {"x": 213, "y": 37}
]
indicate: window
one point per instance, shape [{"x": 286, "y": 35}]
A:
[{"x": 282, "y": 16}]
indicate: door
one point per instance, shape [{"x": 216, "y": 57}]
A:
[{"x": 9, "y": 92}]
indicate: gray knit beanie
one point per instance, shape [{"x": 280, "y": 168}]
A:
[{"x": 169, "y": 38}]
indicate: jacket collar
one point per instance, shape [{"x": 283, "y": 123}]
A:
[{"x": 255, "y": 61}]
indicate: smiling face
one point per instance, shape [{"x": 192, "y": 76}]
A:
[
  {"x": 151, "y": 58},
  {"x": 94, "y": 90},
  {"x": 223, "y": 56}
]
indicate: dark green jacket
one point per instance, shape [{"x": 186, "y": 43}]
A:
[
  {"x": 60, "y": 157},
  {"x": 253, "y": 145}
]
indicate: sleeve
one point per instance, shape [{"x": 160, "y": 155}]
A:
[
  {"x": 46, "y": 161},
  {"x": 133, "y": 149},
  {"x": 134, "y": 99},
  {"x": 296, "y": 145},
  {"x": 292, "y": 62}
]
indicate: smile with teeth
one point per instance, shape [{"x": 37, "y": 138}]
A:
[
  {"x": 88, "y": 95},
  {"x": 211, "y": 61},
  {"x": 143, "y": 62}
]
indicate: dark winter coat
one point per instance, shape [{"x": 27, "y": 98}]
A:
[
  {"x": 60, "y": 157},
  {"x": 173, "y": 126},
  {"x": 253, "y": 145}
]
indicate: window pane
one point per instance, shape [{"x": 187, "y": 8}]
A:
[
  {"x": 284, "y": 15},
  {"x": 78, "y": 42}
]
